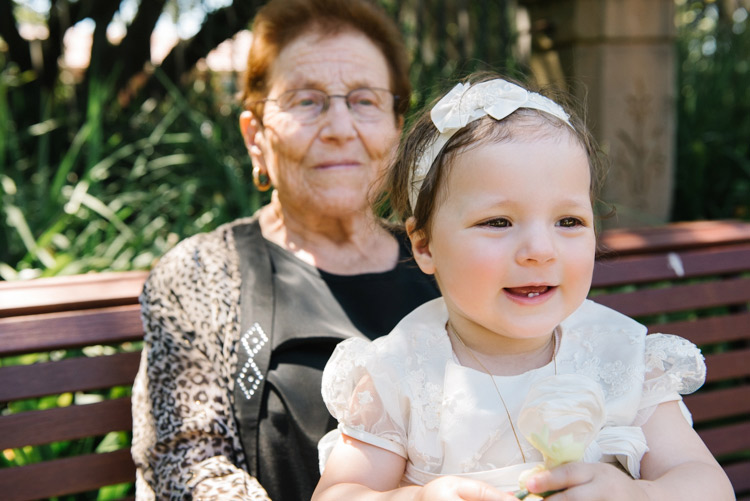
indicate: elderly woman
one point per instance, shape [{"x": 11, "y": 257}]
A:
[{"x": 240, "y": 322}]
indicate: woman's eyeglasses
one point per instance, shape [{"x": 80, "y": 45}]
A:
[{"x": 366, "y": 104}]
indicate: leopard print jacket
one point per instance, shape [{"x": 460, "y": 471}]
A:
[{"x": 186, "y": 443}]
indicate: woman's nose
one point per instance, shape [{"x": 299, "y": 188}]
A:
[
  {"x": 338, "y": 122},
  {"x": 537, "y": 246}
]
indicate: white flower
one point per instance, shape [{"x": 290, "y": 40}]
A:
[{"x": 561, "y": 416}]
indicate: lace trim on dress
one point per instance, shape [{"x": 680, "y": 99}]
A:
[
  {"x": 616, "y": 377},
  {"x": 673, "y": 364},
  {"x": 402, "y": 391},
  {"x": 674, "y": 367},
  {"x": 428, "y": 399}
]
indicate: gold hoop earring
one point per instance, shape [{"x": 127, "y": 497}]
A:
[{"x": 261, "y": 179}]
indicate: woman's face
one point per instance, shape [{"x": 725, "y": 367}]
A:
[{"x": 328, "y": 165}]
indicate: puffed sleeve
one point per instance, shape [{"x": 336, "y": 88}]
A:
[
  {"x": 674, "y": 367},
  {"x": 185, "y": 441},
  {"x": 361, "y": 389}
]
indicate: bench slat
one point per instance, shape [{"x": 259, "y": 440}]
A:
[
  {"x": 739, "y": 475},
  {"x": 709, "y": 405},
  {"x": 65, "y": 423},
  {"x": 709, "y": 330},
  {"x": 66, "y": 476},
  {"x": 74, "y": 374},
  {"x": 728, "y": 365},
  {"x": 674, "y": 236},
  {"x": 54, "y": 331},
  {"x": 79, "y": 292},
  {"x": 652, "y": 268},
  {"x": 705, "y": 249},
  {"x": 727, "y": 439},
  {"x": 679, "y": 297}
]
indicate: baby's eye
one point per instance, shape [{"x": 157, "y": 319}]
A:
[
  {"x": 500, "y": 222},
  {"x": 570, "y": 222}
]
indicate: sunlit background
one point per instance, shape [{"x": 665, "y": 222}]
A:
[{"x": 119, "y": 137}]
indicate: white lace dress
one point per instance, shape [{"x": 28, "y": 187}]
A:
[{"x": 407, "y": 393}]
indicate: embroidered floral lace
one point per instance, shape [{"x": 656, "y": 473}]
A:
[{"x": 406, "y": 393}]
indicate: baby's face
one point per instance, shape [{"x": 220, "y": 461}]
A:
[{"x": 512, "y": 241}]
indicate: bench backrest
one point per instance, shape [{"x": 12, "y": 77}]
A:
[
  {"x": 696, "y": 286},
  {"x": 654, "y": 275},
  {"x": 95, "y": 319}
]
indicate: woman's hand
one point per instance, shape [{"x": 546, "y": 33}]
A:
[
  {"x": 587, "y": 482},
  {"x": 456, "y": 488}
]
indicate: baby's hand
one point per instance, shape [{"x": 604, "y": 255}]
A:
[
  {"x": 456, "y": 488},
  {"x": 586, "y": 482}
]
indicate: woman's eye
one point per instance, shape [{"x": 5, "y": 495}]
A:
[
  {"x": 497, "y": 223},
  {"x": 569, "y": 222},
  {"x": 305, "y": 103},
  {"x": 303, "y": 99}
]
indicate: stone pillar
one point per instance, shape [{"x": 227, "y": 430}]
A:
[{"x": 618, "y": 57}]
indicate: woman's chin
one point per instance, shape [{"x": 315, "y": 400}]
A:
[
  {"x": 342, "y": 198},
  {"x": 337, "y": 204}
]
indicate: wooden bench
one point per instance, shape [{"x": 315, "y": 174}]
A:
[
  {"x": 68, "y": 313},
  {"x": 691, "y": 279}
]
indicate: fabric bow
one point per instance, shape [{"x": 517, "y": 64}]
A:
[{"x": 466, "y": 103}]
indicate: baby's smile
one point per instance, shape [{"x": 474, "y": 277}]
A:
[{"x": 529, "y": 291}]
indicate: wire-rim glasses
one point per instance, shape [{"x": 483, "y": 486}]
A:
[{"x": 366, "y": 104}]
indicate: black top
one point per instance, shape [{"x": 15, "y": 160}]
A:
[{"x": 314, "y": 311}]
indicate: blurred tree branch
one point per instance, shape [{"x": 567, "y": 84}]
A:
[
  {"x": 128, "y": 58},
  {"x": 217, "y": 27},
  {"x": 135, "y": 49},
  {"x": 18, "y": 48}
]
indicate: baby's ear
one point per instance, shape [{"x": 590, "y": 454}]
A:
[{"x": 420, "y": 247}]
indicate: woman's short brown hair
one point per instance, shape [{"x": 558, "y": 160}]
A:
[{"x": 280, "y": 22}]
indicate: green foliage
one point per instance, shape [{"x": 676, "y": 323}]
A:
[
  {"x": 89, "y": 184},
  {"x": 110, "y": 442},
  {"x": 113, "y": 188},
  {"x": 713, "y": 150},
  {"x": 450, "y": 39}
]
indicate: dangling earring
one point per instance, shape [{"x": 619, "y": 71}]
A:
[{"x": 261, "y": 179}]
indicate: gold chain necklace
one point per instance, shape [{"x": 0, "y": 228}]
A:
[{"x": 492, "y": 378}]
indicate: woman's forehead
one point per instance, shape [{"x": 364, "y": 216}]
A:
[{"x": 347, "y": 59}]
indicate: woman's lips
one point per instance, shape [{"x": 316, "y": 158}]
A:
[
  {"x": 529, "y": 291},
  {"x": 338, "y": 164}
]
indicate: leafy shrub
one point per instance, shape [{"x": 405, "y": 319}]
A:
[
  {"x": 116, "y": 188},
  {"x": 713, "y": 152}
]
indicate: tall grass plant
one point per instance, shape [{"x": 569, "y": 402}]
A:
[
  {"x": 129, "y": 182},
  {"x": 112, "y": 187}
]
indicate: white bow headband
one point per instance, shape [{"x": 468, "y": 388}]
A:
[{"x": 466, "y": 103}]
